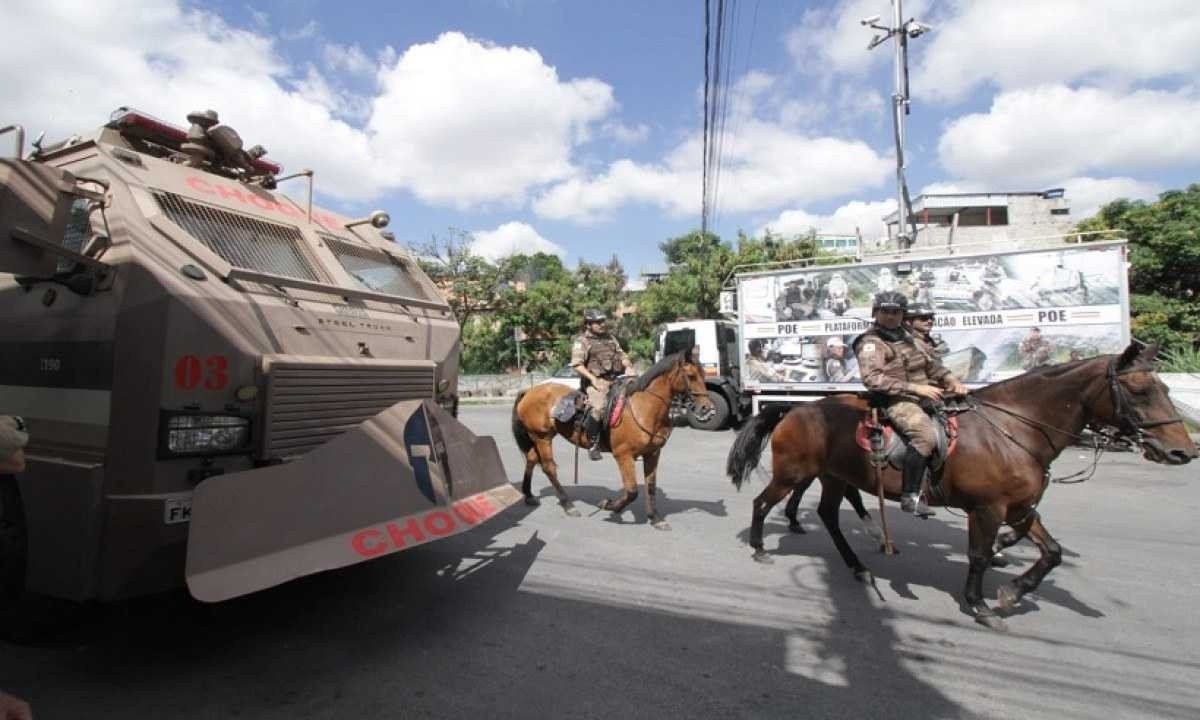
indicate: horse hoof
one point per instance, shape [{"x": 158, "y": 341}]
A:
[
  {"x": 1007, "y": 597},
  {"x": 984, "y": 616},
  {"x": 797, "y": 528},
  {"x": 571, "y": 511},
  {"x": 888, "y": 549},
  {"x": 604, "y": 504},
  {"x": 660, "y": 525},
  {"x": 1000, "y": 560},
  {"x": 532, "y": 501},
  {"x": 760, "y": 556}
]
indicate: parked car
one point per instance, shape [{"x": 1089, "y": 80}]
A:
[{"x": 563, "y": 376}]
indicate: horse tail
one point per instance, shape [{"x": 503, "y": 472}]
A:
[
  {"x": 520, "y": 434},
  {"x": 747, "y": 448}
]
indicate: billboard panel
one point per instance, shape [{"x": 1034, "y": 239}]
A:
[{"x": 1000, "y": 314}]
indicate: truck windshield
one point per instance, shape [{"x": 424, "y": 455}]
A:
[{"x": 376, "y": 270}]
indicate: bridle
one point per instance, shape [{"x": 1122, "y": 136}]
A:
[
  {"x": 688, "y": 402},
  {"x": 1129, "y": 426}
]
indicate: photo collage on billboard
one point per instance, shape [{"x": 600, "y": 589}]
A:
[{"x": 999, "y": 315}]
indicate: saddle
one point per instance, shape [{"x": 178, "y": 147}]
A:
[
  {"x": 891, "y": 446},
  {"x": 573, "y": 407}
]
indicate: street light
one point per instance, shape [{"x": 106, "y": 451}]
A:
[{"x": 902, "y": 31}]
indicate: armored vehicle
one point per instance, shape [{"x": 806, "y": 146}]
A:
[{"x": 222, "y": 386}]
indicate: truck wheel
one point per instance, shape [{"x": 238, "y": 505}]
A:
[
  {"x": 24, "y": 618},
  {"x": 719, "y": 417}
]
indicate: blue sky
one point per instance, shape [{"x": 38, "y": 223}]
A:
[{"x": 574, "y": 126}]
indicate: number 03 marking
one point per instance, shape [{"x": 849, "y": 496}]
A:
[{"x": 212, "y": 371}]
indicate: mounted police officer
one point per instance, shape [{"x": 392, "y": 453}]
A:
[
  {"x": 918, "y": 318},
  {"x": 599, "y": 359},
  {"x": 894, "y": 364}
]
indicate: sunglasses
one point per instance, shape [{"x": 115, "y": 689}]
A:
[{"x": 921, "y": 317}]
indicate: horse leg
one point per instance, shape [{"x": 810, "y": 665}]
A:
[
  {"x": 832, "y": 492},
  {"x": 629, "y": 483},
  {"x": 982, "y": 525},
  {"x": 1004, "y": 541},
  {"x": 793, "y": 506},
  {"x": 868, "y": 522},
  {"x": 546, "y": 452},
  {"x": 531, "y": 461},
  {"x": 650, "y": 471},
  {"x": 766, "y": 500},
  {"x": 1009, "y": 595}
]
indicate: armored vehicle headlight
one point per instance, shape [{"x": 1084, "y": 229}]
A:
[{"x": 206, "y": 434}]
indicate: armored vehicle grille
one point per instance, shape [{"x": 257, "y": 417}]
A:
[
  {"x": 309, "y": 404},
  {"x": 240, "y": 240}
]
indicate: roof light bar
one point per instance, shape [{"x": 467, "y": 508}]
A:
[{"x": 172, "y": 135}]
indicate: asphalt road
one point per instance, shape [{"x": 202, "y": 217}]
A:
[{"x": 537, "y": 615}]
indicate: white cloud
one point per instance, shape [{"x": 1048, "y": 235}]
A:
[
  {"x": 764, "y": 166},
  {"x": 456, "y": 121},
  {"x": 348, "y": 58},
  {"x": 1018, "y": 43},
  {"x": 628, "y": 134},
  {"x": 1034, "y": 136},
  {"x": 512, "y": 238},
  {"x": 1087, "y": 195},
  {"x": 462, "y": 122},
  {"x": 857, "y": 216}
]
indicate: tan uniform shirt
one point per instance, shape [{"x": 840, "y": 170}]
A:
[
  {"x": 894, "y": 367},
  {"x": 600, "y": 354}
]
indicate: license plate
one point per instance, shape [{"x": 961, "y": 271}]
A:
[{"x": 177, "y": 510}]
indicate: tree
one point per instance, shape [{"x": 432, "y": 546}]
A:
[
  {"x": 470, "y": 283},
  {"x": 1164, "y": 254}
]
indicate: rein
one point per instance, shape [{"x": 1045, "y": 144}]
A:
[
  {"x": 1129, "y": 426},
  {"x": 691, "y": 402}
]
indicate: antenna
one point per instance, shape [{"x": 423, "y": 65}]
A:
[{"x": 901, "y": 31}]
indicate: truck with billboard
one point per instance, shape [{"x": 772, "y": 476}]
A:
[
  {"x": 223, "y": 387},
  {"x": 1000, "y": 311}
]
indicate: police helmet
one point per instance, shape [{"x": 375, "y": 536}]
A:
[
  {"x": 889, "y": 300},
  {"x": 591, "y": 316},
  {"x": 918, "y": 310}
]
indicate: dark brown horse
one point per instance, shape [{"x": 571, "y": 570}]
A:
[
  {"x": 642, "y": 431},
  {"x": 1000, "y": 469}
]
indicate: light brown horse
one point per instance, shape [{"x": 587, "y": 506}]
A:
[
  {"x": 642, "y": 431},
  {"x": 1000, "y": 469}
]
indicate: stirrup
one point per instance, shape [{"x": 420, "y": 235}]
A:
[
  {"x": 594, "y": 452},
  {"x": 923, "y": 510}
]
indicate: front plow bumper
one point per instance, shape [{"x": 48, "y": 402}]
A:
[{"x": 407, "y": 476}]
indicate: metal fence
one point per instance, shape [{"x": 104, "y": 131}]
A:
[{"x": 497, "y": 386}]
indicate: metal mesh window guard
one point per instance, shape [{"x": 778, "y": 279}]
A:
[
  {"x": 376, "y": 270},
  {"x": 242, "y": 241},
  {"x": 79, "y": 230}
]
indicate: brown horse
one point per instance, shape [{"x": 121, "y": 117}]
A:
[
  {"x": 642, "y": 430},
  {"x": 1000, "y": 469}
]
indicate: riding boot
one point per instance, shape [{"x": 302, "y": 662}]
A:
[
  {"x": 593, "y": 431},
  {"x": 911, "y": 475}
]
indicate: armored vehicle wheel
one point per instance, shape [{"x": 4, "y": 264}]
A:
[
  {"x": 24, "y": 617},
  {"x": 719, "y": 417}
]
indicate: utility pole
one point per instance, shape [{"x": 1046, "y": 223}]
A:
[{"x": 902, "y": 30}]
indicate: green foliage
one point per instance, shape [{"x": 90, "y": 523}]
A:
[
  {"x": 1164, "y": 254},
  {"x": 533, "y": 293},
  {"x": 1181, "y": 360}
]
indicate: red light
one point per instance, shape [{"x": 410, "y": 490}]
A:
[{"x": 175, "y": 135}]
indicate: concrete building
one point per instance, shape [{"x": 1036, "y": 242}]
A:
[{"x": 984, "y": 218}]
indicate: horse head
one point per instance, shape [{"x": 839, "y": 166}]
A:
[
  {"x": 1140, "y": 408},
  {"x": 687, "y": 381}
]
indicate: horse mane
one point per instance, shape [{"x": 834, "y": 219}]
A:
[
  {"x": 667, "y": 363},
  {"x": 1045, "y": 372}
]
